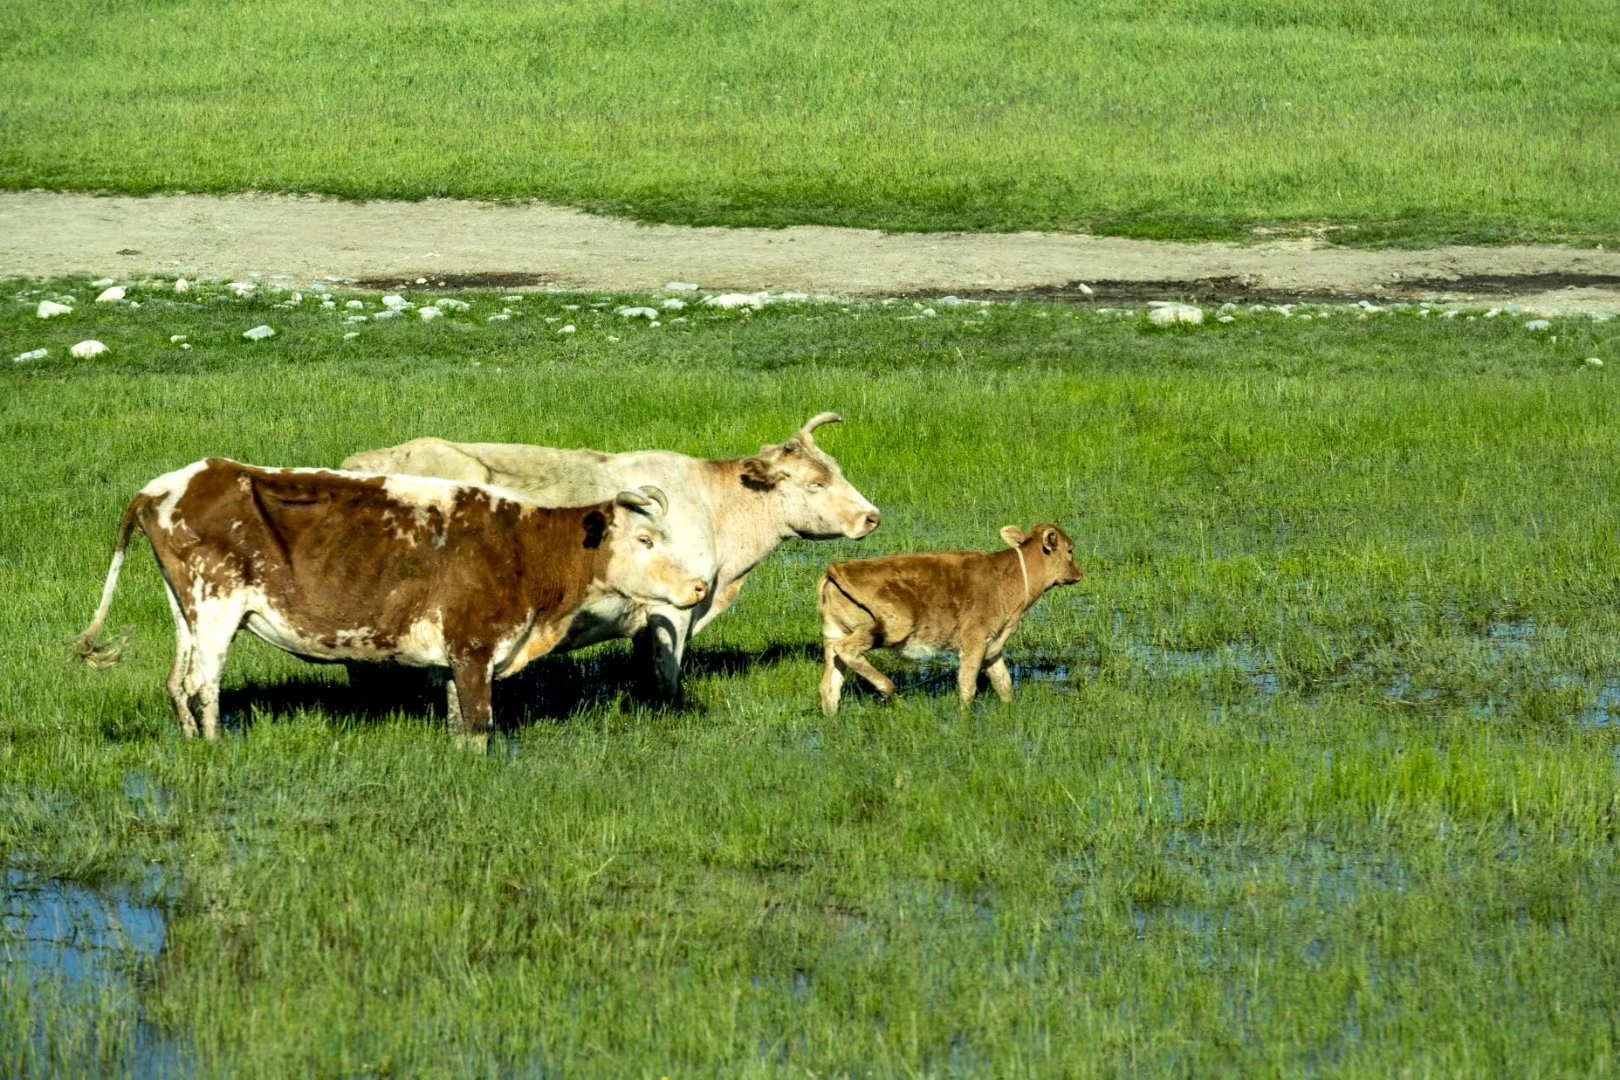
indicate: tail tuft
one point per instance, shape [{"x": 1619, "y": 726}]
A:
[{"x": 99, "y": 657}]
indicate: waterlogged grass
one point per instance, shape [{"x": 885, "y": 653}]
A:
[
  {"x": 1410, "y": 120},
  {"x": 1315, "y": 773}
]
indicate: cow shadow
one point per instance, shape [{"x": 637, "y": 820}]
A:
[{"x": 553, "y": 690}]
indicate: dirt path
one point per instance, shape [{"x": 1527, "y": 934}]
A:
[{"x": 387, "y": 243}]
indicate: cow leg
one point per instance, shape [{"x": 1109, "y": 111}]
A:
[
  {"x": 832, "y": 682},
  {"x": 217, "y": 621},
  {"x": 1000, "y": 678},
  {"x": 967, "y": 676},
  {"x": 468, "y": 698},
  {"x": 659, "y": 648},
  {"x": 182, "y": 661}
]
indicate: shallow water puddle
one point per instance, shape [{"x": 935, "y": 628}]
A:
[{"x": 77, "y": 953}]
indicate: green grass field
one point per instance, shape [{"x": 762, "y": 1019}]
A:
[
  {"x": 1316, "y": 773},
  {"x": 1411, "y": 121}
]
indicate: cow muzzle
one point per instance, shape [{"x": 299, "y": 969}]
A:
[
  {"x": 692, "y": 595},
  {"x": 865, "y": 524}
]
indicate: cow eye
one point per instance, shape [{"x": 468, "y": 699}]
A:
[
  {"x": 645, "y": 541},
  {"x": 813, "y": 486}
]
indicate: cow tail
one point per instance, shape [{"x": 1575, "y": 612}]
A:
[{"x": 84, "y": 646}]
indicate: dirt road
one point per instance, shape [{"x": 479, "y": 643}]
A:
[{"x": 529, "y": 244}]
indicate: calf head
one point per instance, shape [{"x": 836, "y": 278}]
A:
[
  {"x": 1048, "y": 556},
  {"x": 813, "y": 499},
  {"x": 644, "y": 563}
]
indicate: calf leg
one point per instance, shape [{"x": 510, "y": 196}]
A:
[
  {"x": 1000, "y": 678},
  {"x": 967, "y": 676},
  {"x": 832, "y": 682}
]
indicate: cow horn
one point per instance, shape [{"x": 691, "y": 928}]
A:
[
  {"x": 656, "y": 494},
  {"x": 634, "y": 499},
  {"x": 817, "y": 420}
]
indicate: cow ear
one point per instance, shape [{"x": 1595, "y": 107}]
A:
[
  {"x": 1049, "y": 540},
  {"x": 761, "y": 475},
  {"x": 596, "y": 527},
  {"x": 1013, "y": 535}
]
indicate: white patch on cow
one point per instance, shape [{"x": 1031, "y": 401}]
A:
[
  {"x": 423, "y": 492},
  {"x": 423, "y": 643},
  {"x": 916, "y": 650},
  {"x": 168, "y": 489}
]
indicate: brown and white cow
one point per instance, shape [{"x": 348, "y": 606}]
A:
[
  {"x": 403, "y": 569},
  {"x": 733, "y": 513},
  {"x": 966, "y": 602}
]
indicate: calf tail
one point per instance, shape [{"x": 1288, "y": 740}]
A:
[{"x": 84, "y": 646}]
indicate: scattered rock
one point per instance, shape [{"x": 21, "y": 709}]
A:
[
  {"x": 613, "y": 339},
  {"x": 1084, "y": 288},
  {"x": 421, "y": 281},
  {"x": 391, "y": 313},
  {"x": 514, "y": 298},
  {"x": 680, "y": 286},
  {"x": 672, "y": 304},
  {"x": 930, "y": 313},
  {"x": 1227, "y": 308},
  {"x": 182, "y": 286},
  {"x": 451, "y": 304},
  {"x": 394, "y": 302},
  {"x": 328, "y": 305},
  {"x": 40, "y": 354},
  {"x": 101, "y": 283},
  {"x": 49, "y": 309},
  {"x": 1537, "y": 324},
  {"x": 428, "y": 314},
  {"x": 1591, "y": 361},
  {"x": 355, "y": 305},
  {"x": 1493, "y": 313},
  {"x": 733, "y": 301},
  {"x": 241, "y": 288},
  {"x": 111, "y": 295},
  {"x": 655, "y": 322},
  {"x": 185, "y": 344},
  {"x": 356, "y": 318},
  {"x": 950, "y": 301},
  {"x": 569, "y": 329},
  {"x": 1167, "y": 314},
  {"x": 259, "y": 333},
  {"x": 175, "y": 339},
  {"x": 351, "y": 335},
  {"x": 87, "y": 350},
  {"x": 636, "y": 312},
  {"x": 498, "y": 318},
  {"x": 1225, "y": 318}
]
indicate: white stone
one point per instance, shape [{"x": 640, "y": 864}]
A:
[
  {"x": 241, "y": 288},
  {"x": 111, "y": 295},
  {"x": 328, "y": 305},
  {"x": 259, "y": 333},
  {"x": 655, "y": 322},
  {"x": 421, "y": 281},
  {"x": 680, "y": 286},
  {"x": 134, "y": 305},
  {"x": 1537, "y": 324},
  {"x": 636, "y": 312},
  {"x": 733, "y": 301},
  {"x": 182, "y": 286},
  {"x": 451, "y": 304},
  {"x": 394, "y": 302},
  {"x": 175, "y": 339},
  {"x": 610, "y": 337},
  {"x": 49, "y": 309},
  {"x": 185, "y": 344},
  {"x": 503, "y": 318},
  {"x": 1493, "y": 313},
  {"x": 355, "y": 305},
  {"x": 101, "y": 283},
  {"x": 929, "y": 313},
  {"x": 356, "y": 318},
  {"x": 950, "y": 301},
  {"x": 428, "y": 314},
  {"x": 513, "y": 299},
  {"x": 1225, "y": 318},
  {"x": 569, "y": 329},
  {"x": 1228, "y": 307},
  {"x": 351, "y": 335},
  {"x": 40, "y": 354},
  {"x": 86, "y": 350},
  {"x": 673, "y": 304},
  {"x": 793, "y": 297},
  {"x": 1084, "y": 288},
  {"x": 1170, "y": 314},
  {"x": 1591, "y": 361},
  {"x": 391, "y": 313}
]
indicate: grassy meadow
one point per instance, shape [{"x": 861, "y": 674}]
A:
[
  {"x": 1401, "y": 121},
  {"x": 1315, "y": 773}
]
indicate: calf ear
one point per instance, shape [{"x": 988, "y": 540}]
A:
[
  {"x": 1049, "y": 540},
  {"x": 761, "y": 475},
  {"x": 1013, "y": 535}
]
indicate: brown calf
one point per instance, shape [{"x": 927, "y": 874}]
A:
[
  {"x": 967, "y": 602},
  {"x": 343, "y": 566}
]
